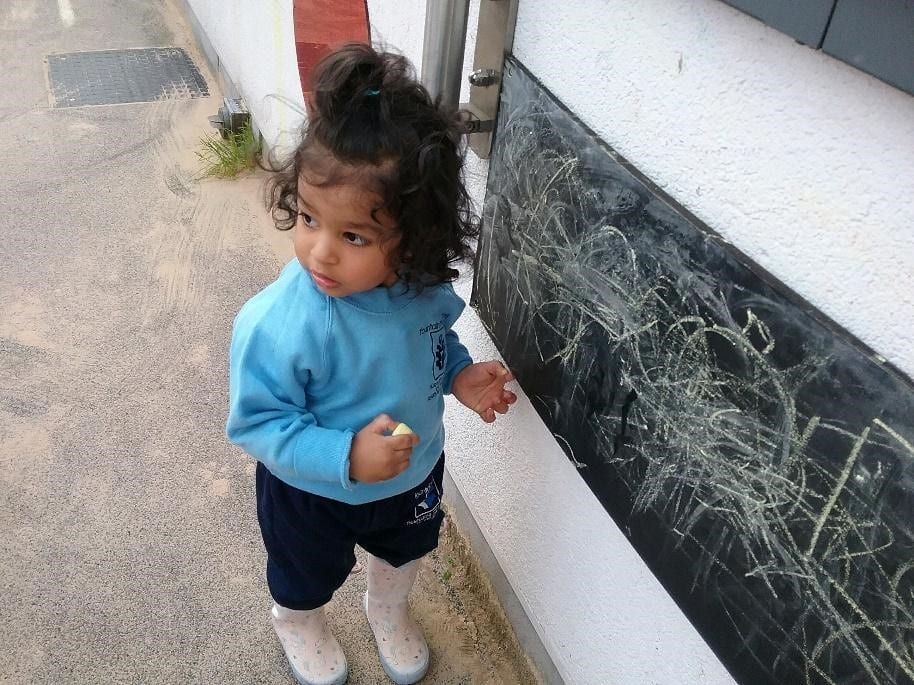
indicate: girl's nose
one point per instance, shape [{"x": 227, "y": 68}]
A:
[{"x": 322, "y": 249}]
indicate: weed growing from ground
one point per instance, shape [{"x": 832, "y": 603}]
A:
[{"x": 227, "y": 157}]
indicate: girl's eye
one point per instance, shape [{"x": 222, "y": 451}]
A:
[
  {"x": 307, "y": 219},
  {"x": 355, "y": 239}
]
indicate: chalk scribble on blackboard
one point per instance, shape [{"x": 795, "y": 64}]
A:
[{"x": 759, "y": 459}]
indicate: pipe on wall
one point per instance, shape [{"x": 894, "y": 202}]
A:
[{"x": 442, "y": 49}]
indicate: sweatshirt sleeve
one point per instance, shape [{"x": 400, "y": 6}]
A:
[
  {"x": 268, "y": 414},
  {"x": 458, "y": 358}
]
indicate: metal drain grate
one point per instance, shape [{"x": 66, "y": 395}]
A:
[{"x": 110, "y": 77}]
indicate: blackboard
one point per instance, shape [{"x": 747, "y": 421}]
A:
[{"x": 759, "y": 458}]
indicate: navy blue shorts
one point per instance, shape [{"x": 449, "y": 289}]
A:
[{"x": 310, "y": 540}]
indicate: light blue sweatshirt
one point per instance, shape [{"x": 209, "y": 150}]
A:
[{"x": 308, "y": 371}]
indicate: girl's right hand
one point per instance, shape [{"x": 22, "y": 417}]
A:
[{"x": 376, "y": 456}]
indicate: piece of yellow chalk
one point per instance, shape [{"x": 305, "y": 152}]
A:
[{"x": 402, "y": 429}]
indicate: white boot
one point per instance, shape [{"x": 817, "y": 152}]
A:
[
  {"x": 313, "y": 652},
  {"x": 403, "y": 650}
]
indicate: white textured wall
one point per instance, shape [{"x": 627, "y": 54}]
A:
[
  {"x": 399, "y": 26},
  {"x": 255, "y": 43}
]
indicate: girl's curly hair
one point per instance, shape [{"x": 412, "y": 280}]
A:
[{"x": 371, "y": 124}]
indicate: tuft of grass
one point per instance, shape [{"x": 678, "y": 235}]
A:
[
  {"x": 229, "y": 156},
  {"x": 448, "y": 572}
]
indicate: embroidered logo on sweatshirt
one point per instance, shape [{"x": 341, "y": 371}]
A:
[
  {"x": 436, "y": 333},
  {"x": 439, "y": 350}
]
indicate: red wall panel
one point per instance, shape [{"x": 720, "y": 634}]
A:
[{"x": 321, "y": 24}]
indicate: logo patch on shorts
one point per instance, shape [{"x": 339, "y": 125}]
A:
[{"x": 428, "y": 501}]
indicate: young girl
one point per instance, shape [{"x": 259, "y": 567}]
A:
[{"x": 353, "y": 340}]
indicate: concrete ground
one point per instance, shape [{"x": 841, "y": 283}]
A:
[{"x": 129, "y": 545}]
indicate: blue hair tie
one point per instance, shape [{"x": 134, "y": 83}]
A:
[{"x": 372, "y": 92}]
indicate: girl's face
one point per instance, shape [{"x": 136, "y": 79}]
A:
[{"x": 339, "y": 243}]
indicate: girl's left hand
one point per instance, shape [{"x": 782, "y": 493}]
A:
[{"x": 481, "y": 387}]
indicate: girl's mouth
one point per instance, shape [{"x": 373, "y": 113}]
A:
[{"x": 323, "y": 281}]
